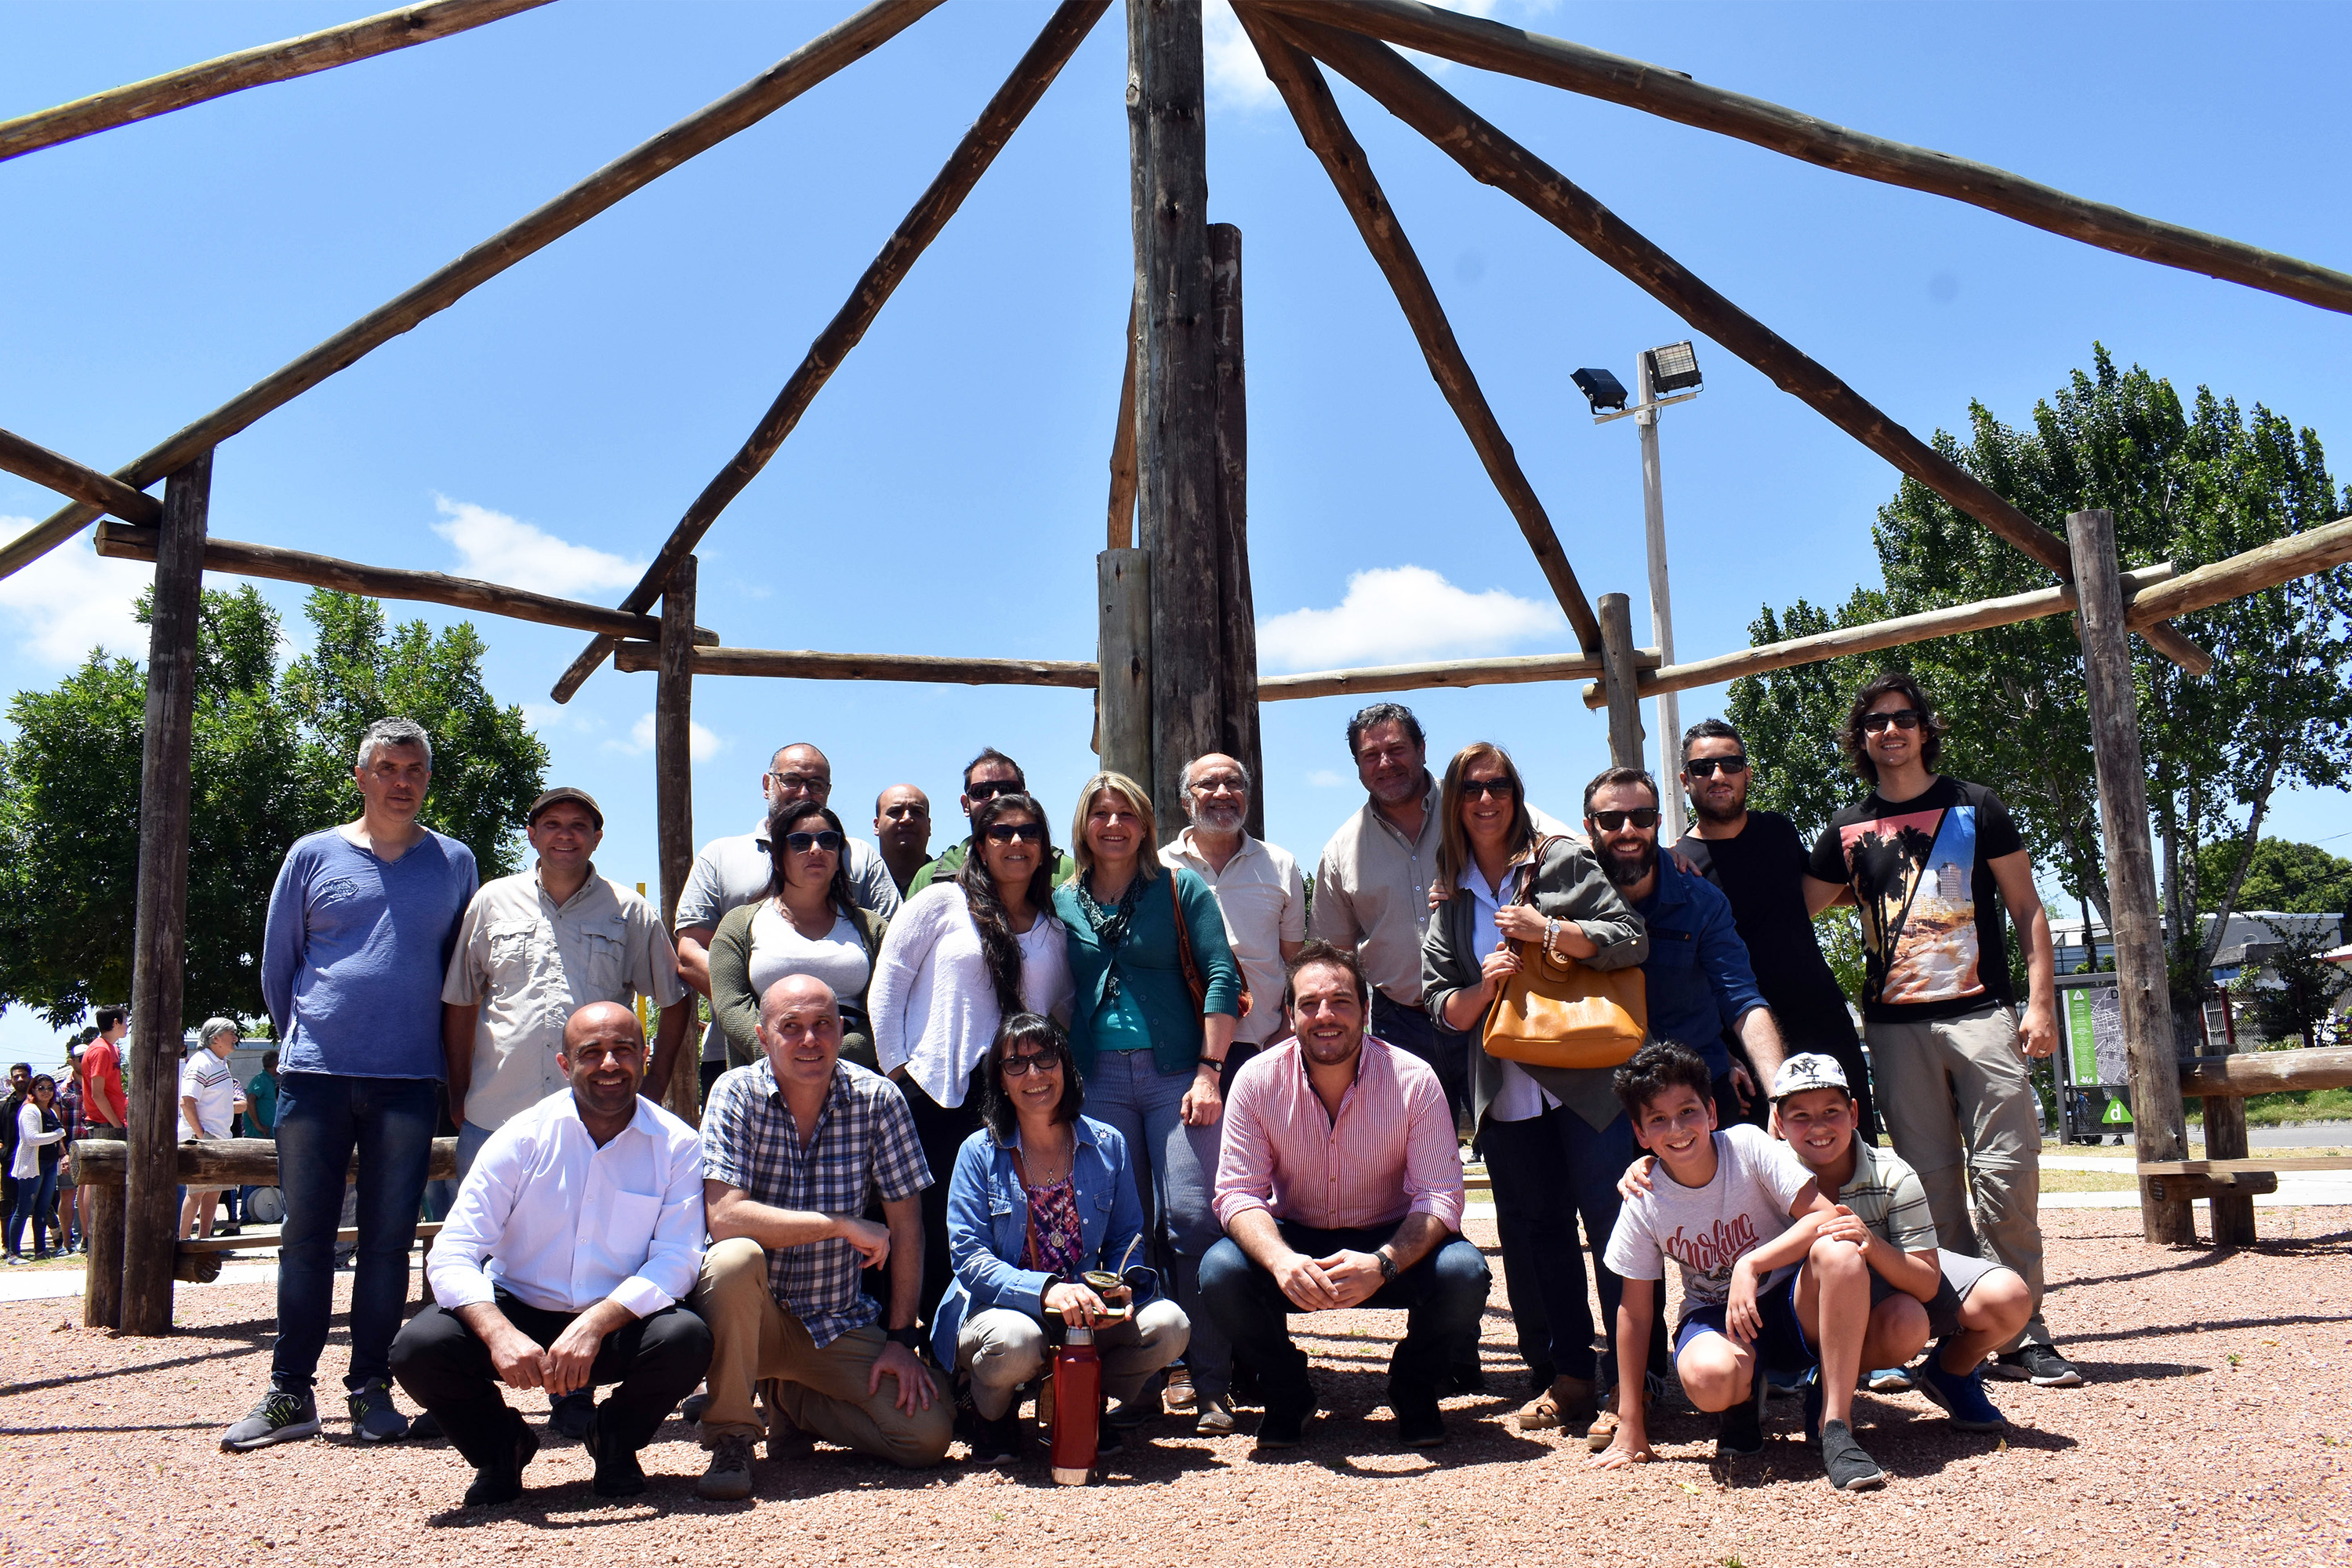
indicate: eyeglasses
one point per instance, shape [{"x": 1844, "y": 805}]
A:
[
  {"x": 802, "y": 843},
  {"x": 989, "y": 789},
  {"x": 1902, "y": 719},
  {"x": 1704, "y": 767},
  {"x": 806, "y": 784},
  {"x": 1222, "y": 784},
  {"x": 1640, "y": 816},
  {"x": 1483, "y": 789},
  {"x": 1024, "y": 832},
  {"x": 1036, "y": 1061}
]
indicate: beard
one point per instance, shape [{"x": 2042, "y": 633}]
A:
[
  {"x": 1625, "y": 868},
  {"x": 1732, "y": 813},
  {"x": 1219, "y": 818}
]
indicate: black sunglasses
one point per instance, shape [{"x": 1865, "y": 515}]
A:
[
  {"x": 1902, "y": 719},
  {"x": 1035, "y": 1061},
  {"x": 1704, "y": 767},
  {"x": 1640, "y": 816},
  {"x": 990, "y": 790},
  {"x": 1026, "y": 832},
  {"x": 1481, "y": 789},
  {"x": 802, "y": 843}
]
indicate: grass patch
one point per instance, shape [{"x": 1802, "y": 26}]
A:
[
  {"x": 2281, "y": 1110},
  {"x": 2087, "y": 1181}
]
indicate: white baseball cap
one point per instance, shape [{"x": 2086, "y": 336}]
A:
[{"x": 1809, "y": 1070}]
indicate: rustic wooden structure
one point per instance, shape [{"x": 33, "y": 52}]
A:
[{"x": 1174, "y": 672}]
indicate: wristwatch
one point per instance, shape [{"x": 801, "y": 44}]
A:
[
  {"x": 1388, "y": 1265},
  {"x": 910, "y": 1336}
]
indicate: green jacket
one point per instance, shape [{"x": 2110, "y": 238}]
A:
[
  {"x": 1151, "y": 969},
  {"x": 735, "y": 1007},
  {"x": 950, "y": 860}
]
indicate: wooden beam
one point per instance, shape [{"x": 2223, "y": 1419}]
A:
[
  {"x": 844, "y": 44},
  {"x": 124, "y": 543},
  {"x": 2157, "y": 1126},
  {"x": 1120, "y": 532},
  {"x": 798, "y": 665},
  {"x": 283, "y": 61},
  {"x": 674, "y": 794},
  {"x": 1237, "y": 664},
  {"x": 1034, "y": 72},
  {"x": 30, "y": 460},
  {"x": 2266, "y": 1072},
  {"x": 1327, "y": 136},
  {"x": 2245, "y": 1167},
  {"x": 160, "y": 936},
  {"x": 1496, "y": 160},
  {"x": 1950, "y": 621},
  {"x": 1673, "y": 95},
  {"x": 101, "y": 1163},
  {"x": 1515, "y": 671},
  {"x": 2313, "y": 550},
  {"x": 1617, "y": 674}
]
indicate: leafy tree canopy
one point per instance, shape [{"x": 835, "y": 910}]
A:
[{"x": 2291, "y": 877}]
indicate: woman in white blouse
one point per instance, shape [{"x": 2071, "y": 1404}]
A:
[
  {"x": 808, "y": 924},
  {"x": 960, "y": 957}
]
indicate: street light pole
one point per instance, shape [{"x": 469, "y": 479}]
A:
[{"x": 1662, "y": 615}]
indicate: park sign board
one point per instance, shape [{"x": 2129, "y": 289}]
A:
[{"x": 2095, "y": 1031}]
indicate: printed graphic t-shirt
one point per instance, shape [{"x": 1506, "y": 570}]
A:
[
  {"x": 1932, "y": 931},
  {"x": 1707, "y": 1229}
]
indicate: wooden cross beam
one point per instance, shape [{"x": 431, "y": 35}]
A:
[
  {"x": 845, "y": 43},
  {"x": 1034, "y": 72},
  {"x": 30, "y": 460},
  {"x": 283, "y": 61}
]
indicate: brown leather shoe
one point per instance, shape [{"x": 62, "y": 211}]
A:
[
  {"x": 1178, "y": 1396},
  {"x": 1603, "y": 1430},
  {"x": 1567, "y": 1400}
]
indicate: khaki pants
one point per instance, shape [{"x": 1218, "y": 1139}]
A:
[
  {"x": 756, "y": 1344},
  {"x": 1957, "y": 1101},
  {"x": 1001, "y": 1349}
]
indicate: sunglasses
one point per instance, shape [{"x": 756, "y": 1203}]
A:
[
  {"x": 1482, "y": 789},
  {"x": 1021, "y": 1067},
  {"x": 1902, "y": 719},
  {"x": 1023, "y": 832},
  {"x": 1704, "y": 767},
  {"x": 802, "y": 843},
  {"x": 989, "y": 791},
  {"x": 1640, "y": 816}
]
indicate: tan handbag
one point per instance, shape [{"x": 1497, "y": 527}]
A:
[{"x": 1556, "y": 1013}]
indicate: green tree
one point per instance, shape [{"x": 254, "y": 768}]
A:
[
  {"x": 2291, "y": 877},
  {"x": 2291, "y": 990},
  {"x": 270, "y": 761}
]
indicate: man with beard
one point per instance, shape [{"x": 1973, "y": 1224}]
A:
[
  {"x": 1697, "y": 975},
  {"x": 1758, "y": 861},
  {"x": 986, "y": 777}
]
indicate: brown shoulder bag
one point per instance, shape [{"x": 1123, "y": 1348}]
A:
[{"x": 1558, "y": 1013}]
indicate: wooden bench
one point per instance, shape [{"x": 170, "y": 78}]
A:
[
  {"x": 2188, "y": 1180},
  {"x": 2227, "y": 1176},
  {"x": 199, "y": 1258}
]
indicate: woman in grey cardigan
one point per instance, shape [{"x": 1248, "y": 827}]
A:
[
  {"x": 807, "y": 924},
  {"x": 1555, "y": 1140}
]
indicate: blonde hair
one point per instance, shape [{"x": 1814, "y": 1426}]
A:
[{"x": 1147, "y": 854}]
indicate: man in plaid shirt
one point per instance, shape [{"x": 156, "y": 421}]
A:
[{"x": 791, "y": 1146}]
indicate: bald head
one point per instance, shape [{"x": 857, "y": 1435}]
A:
[
  {"x": 800, "y": 1030},
  {"x": 1216, "y": 790},
  {"x": 604, "y": 1058},
  {"x": 796, "y": 772}
]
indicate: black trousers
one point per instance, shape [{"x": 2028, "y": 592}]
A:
[
  {"x": 446, "y": 1369},
  {"x": 940, "y": 1130}
]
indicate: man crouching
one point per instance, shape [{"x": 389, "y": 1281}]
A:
[{"x": 563, "y": 1264}]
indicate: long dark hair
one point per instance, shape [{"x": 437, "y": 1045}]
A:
[
  {"x": 783, "y": 822},
  {"x": 1036, "y": 1030},
  {"x": 998, "y": 945},
  {"x": 1893, "y": 683}
]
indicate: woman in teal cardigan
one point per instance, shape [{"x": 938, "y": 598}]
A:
[{"x": 1149, "y": 1053}]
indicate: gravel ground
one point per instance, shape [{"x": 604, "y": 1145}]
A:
[{"x": 2214, "y": 1429}]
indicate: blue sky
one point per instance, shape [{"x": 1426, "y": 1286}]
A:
[{"x": 945, "y": 494}]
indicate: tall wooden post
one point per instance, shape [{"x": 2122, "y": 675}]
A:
[
  {"x": 101, "y": 1222},
  {"x": 1619, "y": 681},
  {"x": 2156, "y": 1123},
  {"x": 151, "y": 1206},
  {"x": 674, "y": 793},
  {"x": 1123, "y": 661},
  {"x": 1175, "y": 389},
  {"x": 1237, "y": 641}
]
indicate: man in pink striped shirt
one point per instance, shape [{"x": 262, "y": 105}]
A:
[{"x": 1340, "y": 1187}]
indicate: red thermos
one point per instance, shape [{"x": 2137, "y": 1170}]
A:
[{"x": 1078, "y": 1406}]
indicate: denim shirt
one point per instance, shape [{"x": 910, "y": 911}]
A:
[
  {"x": 1697, "y": 973},
  {"x": 988, "y": 1226}
]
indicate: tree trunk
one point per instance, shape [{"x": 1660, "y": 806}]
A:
[{"x": 1237, "y": 662}]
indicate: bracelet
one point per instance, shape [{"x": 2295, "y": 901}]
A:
[
  {"x": 1209, "y": 1061},
  {"x": 1551, "y": 941}
]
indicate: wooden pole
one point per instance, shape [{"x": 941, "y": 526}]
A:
[
  {"x": 2157, "y": 1122},
  {"x": 1492, "y": 157},
  {"x": 673, "y": 792},
  {"x": 793, "y": 664},
  {"x": 1120, "y": 533},
  {"x": 1032, "y": 74},
  {"x": 1673, "y": 95},
  {"x": 844, "y": 44},
  {"x": 1236, "y": 665},
  {"x": 2225, "y": 1139},
  {"x": 1175, "y": 389},
  {"x": 283, "y": 61},
  {"x": 1123, "y": 700},
  {"x": 55, "y": 470},
  {"x": 101, "y": 1222},
  {"x": 1327, "y": 136},
  {"x": 1617, "y": 674},
  {"x": 151, "y": 1202},
  {"x": 2266, "y": 1072},
  {"x": 2300, "y": 555}
]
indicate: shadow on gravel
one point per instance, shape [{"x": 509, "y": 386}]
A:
[
  {"x": 2203, "y": 1258},
  {"x": 113, "y": 1427},
  {"x": 37, "y": 1384},
  {"x": 2209, "y": 1325}
]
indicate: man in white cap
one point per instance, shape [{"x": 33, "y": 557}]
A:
[{"x": 208, "y": 1097}]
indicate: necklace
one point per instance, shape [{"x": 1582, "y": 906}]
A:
[{"x": 1056, "y": 1176}]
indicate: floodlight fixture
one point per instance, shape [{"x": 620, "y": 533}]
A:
[
  {"x": 1672, "y": 368},
  {"x": 1601, "y": 388}
]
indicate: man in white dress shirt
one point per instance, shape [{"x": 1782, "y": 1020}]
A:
[{"x": 575, "y": 1239}]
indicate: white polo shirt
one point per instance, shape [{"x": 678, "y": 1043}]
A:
[{"x": 1263, "y": 896}]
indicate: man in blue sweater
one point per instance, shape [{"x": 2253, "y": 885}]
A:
[{"x": 362, "y": 924}]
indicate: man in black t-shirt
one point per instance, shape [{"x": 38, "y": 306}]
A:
[
  {"x": 1758, "y": 860},
  {"x": 1930, "y": 862}
]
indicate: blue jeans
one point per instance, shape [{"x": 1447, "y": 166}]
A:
[
  {"x": 322, "y": 1119},
  {"x": 1447, "y": 1051},
  {"x": 34, "y": 1196},
  {"x": 1176, "y": 1176}
]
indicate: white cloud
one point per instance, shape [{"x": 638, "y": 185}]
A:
[
  {"x": 72, "y": 600},
  {"x": 502, "y": 549},
  {"x": 1326, "y": 778},
  {"x": 1236, "y": 79},
  {"x": 701, "y": 745},
  {"x": 1404, "y": 615}
]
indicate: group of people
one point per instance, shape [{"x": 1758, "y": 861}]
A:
[{"x": 952, "y": 1106}]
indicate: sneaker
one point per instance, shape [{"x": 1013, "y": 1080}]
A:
[
  {"x": 2040, "y": 1364},
  {"x": 1739, "y": 1432},
  {"x": 1603, "y": 1430},
  {"x": 1849, "y": 1469},
  {"x": 618, "y": 1474},
  {"x": 1145, "y": 1406},
  {"x": 996, "y": 1442},
  {"x": 495, "y": 1484},
  {"x": 1781, "y": 1384},
  {"x": 571, "y": 1416},
  {"x": 1568, "y": 1399},
  {"x": 1244, "y": 1388},
  {"x": 1420, "y": 1425},
  {"x": 729, "y": 1479},
  {"x": 374, "y": 1417},
  {"x": 1284, "y": 1424},
  {"x": 283, "y": 1416},
  {"x": 1108, "y": 1435},
  {"x": 1180, "y": 1396},
  {"x": 1213, "y": 1416},
  {"x": 1465, "y": 1376},
  {"x": 425, "y": 1428},
  {"x": 1962, "y": 1394},
  {"x": 1890, "y": 1380},
  {"x": 13, "y": 1259}
]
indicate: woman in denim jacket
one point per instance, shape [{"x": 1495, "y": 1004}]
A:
[{"x": 1040, "y": 1195}]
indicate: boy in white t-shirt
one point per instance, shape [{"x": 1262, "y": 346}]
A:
[
  {"x": 1761, "y": 1285},
  {"x": 209, "y": 1097}
]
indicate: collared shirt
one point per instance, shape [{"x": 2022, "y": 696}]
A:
[
  {"x": 1263, "y": 897},
  {"x": 564, "y": 1224},
  {"x": 865, "y": 1138},
  {"x": 529, "y": 963},
  {"x": 1518, "y": 1096},
  {"x": 731, "y": 872},
  {"x": 1697, "y": 976},
  {"x": 1390, "y": 1152},
  {"x": 208, "y": 1079},
  {"x": 1889, "y": 1197}
]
